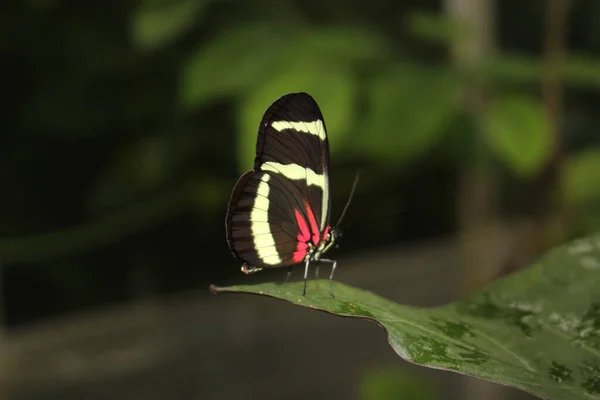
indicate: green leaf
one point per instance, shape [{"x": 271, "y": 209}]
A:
[
  {"x": 334, "y": 89},
  {"x": 537, "y": 330},
  {"x": 510, "y": 69},
  {"x": 582, "y": 71},
  {"x": 233, "y": 62},
  {"x": 517, "y": 131},
  {"x": 435, "y": 27},
  {"x": 338, "y": 45},
  {"x": 156, "y": 23},
  {"x": 580, "y": 190},
  {"x": 520, "y": 69},
  {"x": 409, "y": 109},
  {"x": 581, "y": 177}
]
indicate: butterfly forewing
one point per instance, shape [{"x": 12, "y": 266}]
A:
[{"x": 284, "y": 203}]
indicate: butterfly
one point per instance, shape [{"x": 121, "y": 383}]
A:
[{"x": 278, "y": 213}]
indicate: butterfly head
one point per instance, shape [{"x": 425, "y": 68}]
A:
[
  {"x": 334, "y": 237},
  {"x": 331, "y": 240}
]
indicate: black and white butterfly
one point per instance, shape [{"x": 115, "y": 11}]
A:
[{"x": 278, "y": 214}]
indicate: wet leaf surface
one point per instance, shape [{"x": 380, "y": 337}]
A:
[{"x": 537, "y": 330}]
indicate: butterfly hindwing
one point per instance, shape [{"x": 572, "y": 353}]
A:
[{"x": 284, "y": 202}]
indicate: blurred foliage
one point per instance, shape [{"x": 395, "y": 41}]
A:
[
  {"x": 126, "y": 124},
  {"x": 234, "y": 62},
  {"x": 435, "y": 27},
  {"x": 517, "y": 131},
  {"x": 158, "y": 22},
  {"x": 582, "y": 169},
  {"x": 394, "y": 383},
  {"x": 521, "y": 69},
  {"x": 409, "y": 108}
]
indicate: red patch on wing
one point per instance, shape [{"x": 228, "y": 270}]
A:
[
  {"x": 303, "y": 237},
  {"x": 300, "y": 252},
  {"x": 313, "y": 224},
  {"x": 306, "y": 233}
]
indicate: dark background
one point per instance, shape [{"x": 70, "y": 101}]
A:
[{"x": 125, "y": 125}]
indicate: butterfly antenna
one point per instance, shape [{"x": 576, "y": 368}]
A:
[{"x": 349, "y": 198}]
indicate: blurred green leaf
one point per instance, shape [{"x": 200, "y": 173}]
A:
[
  {"x": 536, "y": 329},
  {"x": 340, "y": 45},
  {"x": 408, "y": 110},
  {"x": 232, "y": 63},
  {"x": 524, "y": 69},
  {"x": 394, "y": 383},
  {"x": 511, "y": 69},
  {"x": 435, "y": 27},
  {"x": 581, "y": 177},
  {"x": 517, "y": 131},
  {"x": 581, "y": 70},
  {"x": 334, "y": 89},
  {"x": 157, "y": 23}
]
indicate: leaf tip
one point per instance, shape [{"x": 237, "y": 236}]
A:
[{"x": 214, "y": 289}]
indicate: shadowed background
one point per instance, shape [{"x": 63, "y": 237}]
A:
[{"x": 126, "y": 124}]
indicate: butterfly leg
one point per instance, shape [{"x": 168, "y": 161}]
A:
[
  {"x": 306, "y": 264},
  {"x": 334, "y": 264},
  {"x": 317, "y": 275}
]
